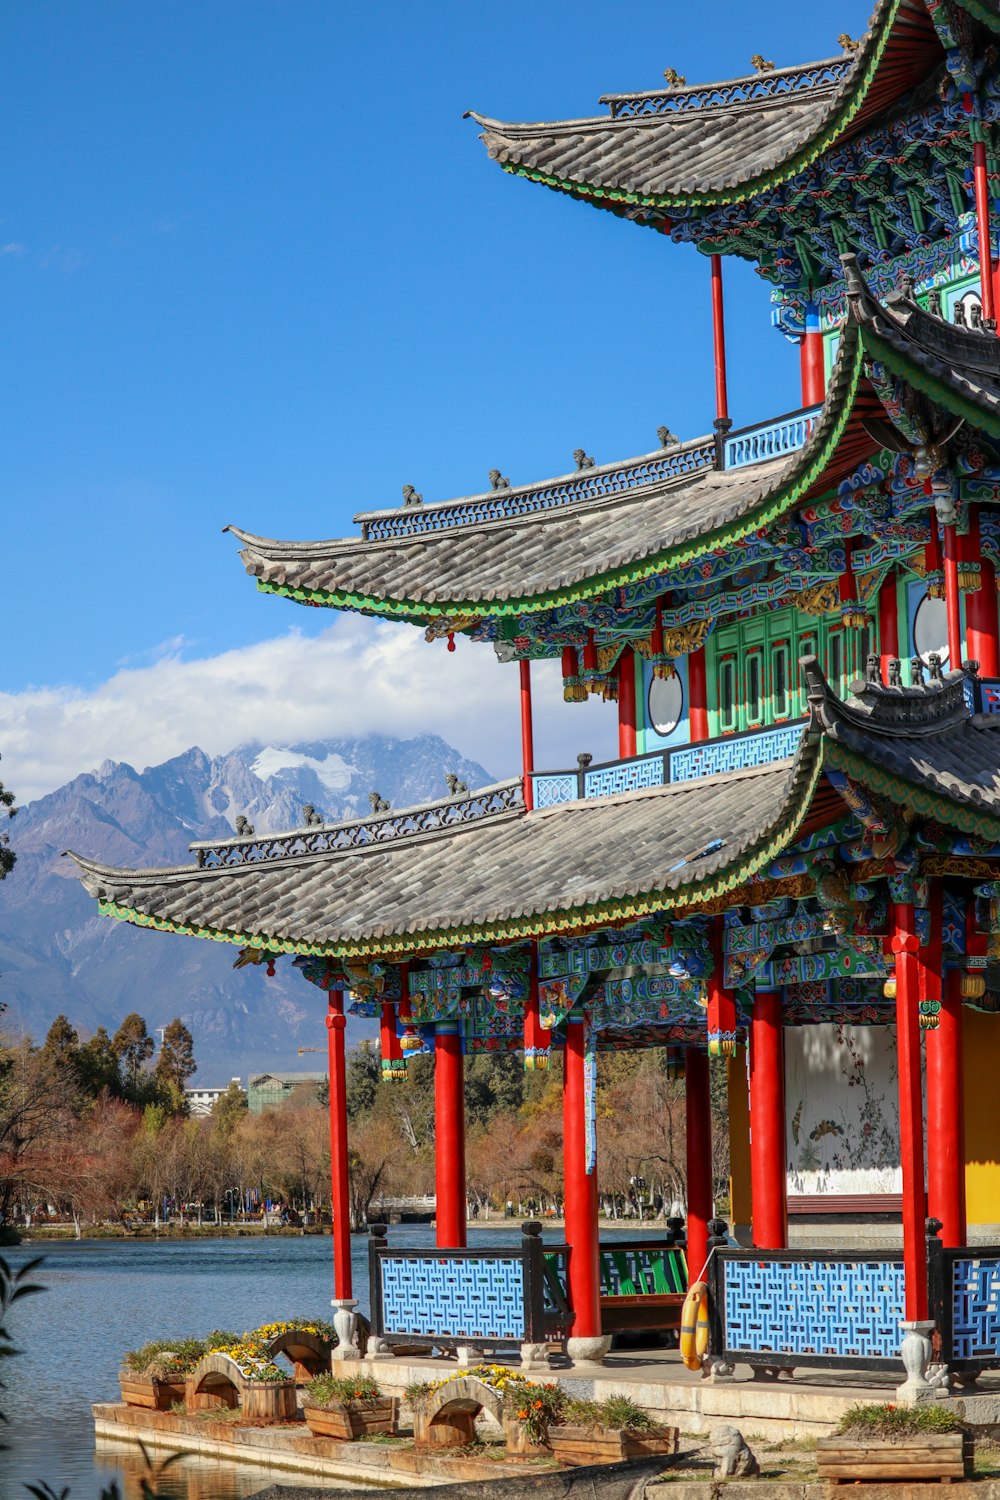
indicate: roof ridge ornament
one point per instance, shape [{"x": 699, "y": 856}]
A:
[{"x": 928, "y": 707}]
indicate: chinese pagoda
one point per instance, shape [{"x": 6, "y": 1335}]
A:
[{"x": 795, "y": 862}]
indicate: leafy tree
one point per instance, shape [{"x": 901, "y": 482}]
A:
[
  {"x": 228, "y": 1110},
  {"x": 134, "y": 1047},
  {"x": 363, "y": 1073},
  {"x": 175, "y": 1064},
  {"x": 494, "y": 1081},
  {"x": 7, "y": 810},
  {"x": 61, "y": 1047},
  {"x": 97, "y": 1065}
]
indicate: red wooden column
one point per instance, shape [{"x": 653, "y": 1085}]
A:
[
  {"x": 527, "y": 734},
  {"x": 719, "y": 342},
  {"x": 340, "y": 1183},
  {"x": 811, "y": 359},
  {"x": 449, "y": 1136},
  {"x": 911, "y": 1129},
  {"x": 626, "y": 704},
  {"x": 698, "y": 1110},
  {"x": 982, "y": 624},
  {"x": 888, "y": 624},
  {"x": 767, "y": 1123},
  {"x": 951, "y": 598},
  {"x": 698, "y": 695},
  {"x": 580, "y": 1199},
  {"x": 945, "y": 1115},
  {"x": 983, "y": 229}
]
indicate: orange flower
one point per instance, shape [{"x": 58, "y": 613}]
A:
[
  {"x": 537, "y": 1405},
  {"x": 522, "y": 1416}
]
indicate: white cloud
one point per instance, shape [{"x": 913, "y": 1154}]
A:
[
  {"x": 13, "y": 247},
  {"x": 356, "y": 677}
]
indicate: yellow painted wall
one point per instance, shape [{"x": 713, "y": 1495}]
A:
[
  {"x": 740, "y": 1206},
  {"x": 981, "y": 1037}
]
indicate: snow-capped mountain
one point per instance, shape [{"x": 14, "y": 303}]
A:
[{"x": 57, "y": 955}]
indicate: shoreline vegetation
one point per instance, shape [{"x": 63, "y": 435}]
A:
[
  {"x": 98, "y": 1134},
  {"x": 255, "y": 1230}
]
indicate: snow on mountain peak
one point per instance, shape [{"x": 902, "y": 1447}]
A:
[{"x": 333, "y": 771}]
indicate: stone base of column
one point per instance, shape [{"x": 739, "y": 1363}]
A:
[
  {"x": 345, "y": 1322},
  {"x": 588, "y": 1351},
  {"x": 925, "y": 1382}
]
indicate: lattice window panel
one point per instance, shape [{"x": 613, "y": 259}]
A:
[
  {"x": 991, "y": 697},
  {"x": 549, "y": 791},
  {"x": 476, "y": 1297},
  {"x": 975, "y": 1303},
  {"x": 846, "y": 1308},
  {"x": 627, "y": 776},
  {"x": 736, "y": 754}
]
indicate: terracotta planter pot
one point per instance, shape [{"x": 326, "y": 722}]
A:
[
  {"x": 600, "y": 1445},
  {"x": 151, "y": 1391},
  {"x": 924, "y": 1455},
  {"x": 348, "y": 1423},
  {"x": 271, "y": 1402}
]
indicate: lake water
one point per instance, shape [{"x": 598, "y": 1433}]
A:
[{"x": 106, "y": 1296}]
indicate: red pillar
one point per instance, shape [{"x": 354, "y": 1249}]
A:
[
  {"x": 579, "y": 1191},
  {"x": 982, "y": 625},
  {"x": 911, "y": 1128},
  {"x": 983, "y": 228},
  {"x": 698, "y": 1109},
  {"x": 945, "y": 1116},
  {"x": 339, "y": 1176},
  {"x": 626, "y": 704},
  {"x": 811, "y": 360},
  {"x": 767, "y": 1123},
  {"x": 698, "y": 695},
  {"x": 449, "y": 1136},
  {"x": 527, "y": 734},
  {"x": 719, "y": 342},
  {"x": 951, "y": 598},
  {"x": 888, "y": 624}
]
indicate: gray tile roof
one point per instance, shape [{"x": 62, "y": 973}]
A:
[
  {"x": 713, "y": 139},
  {"x": 507, "y": 867}
]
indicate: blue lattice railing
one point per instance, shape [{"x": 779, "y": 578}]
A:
[
  {"x": 732, "y": 752},
  {"x": 780, "y": 1307},
  {"x": 494, "y": 1295},
  {"x": 754, "y": 445}
]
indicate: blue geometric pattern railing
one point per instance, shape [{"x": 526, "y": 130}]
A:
[
  {"x": 472, "y": 1297},
  {"x": 753, "y": 445},
  {"x": 986, "y": 695},
  {"x": 975, "y": 1294},
  {"x": 501, "y": 505},
  {"x": 841, "y": 1309},
  {"x": 733, "y": 752},
  {"x": 736, "y": 752},
  {"x": 817, "y": 76}
]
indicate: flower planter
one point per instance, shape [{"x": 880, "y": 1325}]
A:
[
  {"x": 924, "y": 1455},
  {"x": 602, "y": 1445},
  {"x": 519, "y": 1444},
  {"x": 271, "y": 1401},
  {"x": 154, "y": 1392},
  {"x": 350, "y": 1422}
]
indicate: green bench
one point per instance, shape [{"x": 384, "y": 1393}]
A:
[{"x": 643, "y": 1286}]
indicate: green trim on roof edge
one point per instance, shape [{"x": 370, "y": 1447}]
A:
[
  {"x": 980, "y": 11},
  {"x": 760, "y": 184},
  {"x": 907, "y": 794},
  {"x": 540, "y": 924},
  {"x": 945, "y": 395},
  {"x": 685, "y": 552}
]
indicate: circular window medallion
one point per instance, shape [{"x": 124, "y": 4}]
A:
[
  {"x": 666, "y": 704},
  {"x": 930, "y": 629}
]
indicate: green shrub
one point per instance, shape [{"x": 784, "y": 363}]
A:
[
  {"x": 162, "y": 1357},
  {"x": 536, "y": 1407},
  {"x": 885, "y": 1420},
  {"x": 338, "y": 1390}
]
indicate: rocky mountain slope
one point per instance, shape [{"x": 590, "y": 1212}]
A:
[{"x": 57, "y": 955}]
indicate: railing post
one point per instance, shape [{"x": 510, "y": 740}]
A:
[
  {"x": 937, "y": 1300},
  {"x": 377, "y": 1346},
  {"x": 718, "y": 1240},
  {"x": 583, "y": 762},
  {"x": 533, "y": 1347}
]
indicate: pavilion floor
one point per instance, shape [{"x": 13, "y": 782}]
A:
[{"x": 808, "y": 1405}]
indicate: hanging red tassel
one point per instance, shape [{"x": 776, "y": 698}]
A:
[
  {"x": 270, "y": 968},
  {"x": 393, "y": 1061},
  {"x": 591, "y": 672},
  {"x": 933, "y": 561},
  {"x": 721, "y": 1001},
  {"x": 573, "y": 688},
  {"x": 451, "y": 640},
  {"x": 536, "y": 1039},
  {"x": 852, "y": 613}
]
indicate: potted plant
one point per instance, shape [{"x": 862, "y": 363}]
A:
[
  {"x": 348, "y": 1407},
  {"x": 529, "y": 1412},
  {"x": 586, "y": 1432},
  {"x": 266, "y": 1391},
  {"x": 876, "y": 1442},
  {"x": 153, "y": 1375}
]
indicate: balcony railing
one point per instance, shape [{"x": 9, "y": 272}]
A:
[
  {"x": 732, "y": 752},
  {"x": 754, "y": 445}
]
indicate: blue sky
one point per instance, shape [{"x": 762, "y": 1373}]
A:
[{"x": 256, "y": 268}]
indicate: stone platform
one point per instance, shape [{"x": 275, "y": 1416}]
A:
[{"x": 807, "y": 1406}]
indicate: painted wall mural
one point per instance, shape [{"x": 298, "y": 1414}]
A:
[{"x": 841, "y": 1117}]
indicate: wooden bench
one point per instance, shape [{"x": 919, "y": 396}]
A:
[{"x": 643, "y": 1286}]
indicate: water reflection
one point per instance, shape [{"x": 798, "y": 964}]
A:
[{"x": 194, "y": 1476}]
